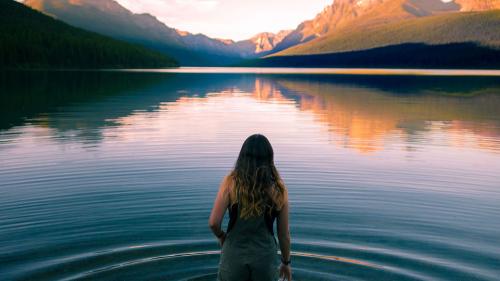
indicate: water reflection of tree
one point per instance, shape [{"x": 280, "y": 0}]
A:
[{"x": 78, "y": 105}]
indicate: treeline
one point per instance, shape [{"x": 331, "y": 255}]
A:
[
  {"x": 411, "y": 55},
  {"x": 30, "y": 39}
]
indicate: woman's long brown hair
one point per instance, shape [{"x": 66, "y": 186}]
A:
[{"x": 257, "y": 183}]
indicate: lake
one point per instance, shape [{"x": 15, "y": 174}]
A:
[{"x": 111, "y": 175}]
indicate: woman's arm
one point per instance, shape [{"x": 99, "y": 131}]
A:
[
  {"x": 219, "y": 209},
  {"x": 284, "y": 239},
  {"x": 283, "y": 231}
]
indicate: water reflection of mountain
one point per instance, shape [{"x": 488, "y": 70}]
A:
[
  {"x": 363, "y": 109},
  {"x": 371, "y": 110}
]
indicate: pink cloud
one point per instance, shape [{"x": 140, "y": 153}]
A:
[{"x": 229, "y": 18}]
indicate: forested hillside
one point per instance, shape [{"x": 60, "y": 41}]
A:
[
  {"x": 410, "y": 55},
  {"x": 30, "y": 39}
]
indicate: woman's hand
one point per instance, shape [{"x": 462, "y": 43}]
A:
[{"x": 285, "y": 272}]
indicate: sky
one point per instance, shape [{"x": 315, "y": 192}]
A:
[{"x": 229, "y": 19}]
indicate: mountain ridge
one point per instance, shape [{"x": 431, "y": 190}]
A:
[
  {"x": 345, "y": 25},
  {"x": 375, "y": 12},
  {"x": 346, "y": 18},
  {"x": 110, "y": 18}
]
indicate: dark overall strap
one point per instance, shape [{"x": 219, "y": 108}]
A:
[
  {"x": 233, "y": 216},
  {"x": 269, "y": 218}
]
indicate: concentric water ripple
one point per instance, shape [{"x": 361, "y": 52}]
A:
[
  {"x": 106, "y": 264},
  {"x": 390, "y": 178}
]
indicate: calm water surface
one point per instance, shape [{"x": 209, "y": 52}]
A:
[{"x": 111, "y": 175}]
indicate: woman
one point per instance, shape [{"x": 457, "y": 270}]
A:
[{"x": 254, "y": 195}]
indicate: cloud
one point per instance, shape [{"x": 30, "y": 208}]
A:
[
  {"x": 170, "y": 7},
  {"x": 201, "y": 5},
  {"x": 234, "y": 19}
]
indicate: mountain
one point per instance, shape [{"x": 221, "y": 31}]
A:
[
  {"x": 267, "y": 41},
  {"x": 344, "y": 26},
  {"x": 479, "y": 27},
  {"x": 259, "y": 45},
  {"x": 478, "y": 5},
  {"x": 30, "y": 39},
  {"x": 394, "y": 33},
  {"x": 343, "y": 13},
  {"x": 355, "y": 25},
  {"x": 108, "y": 17}
]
